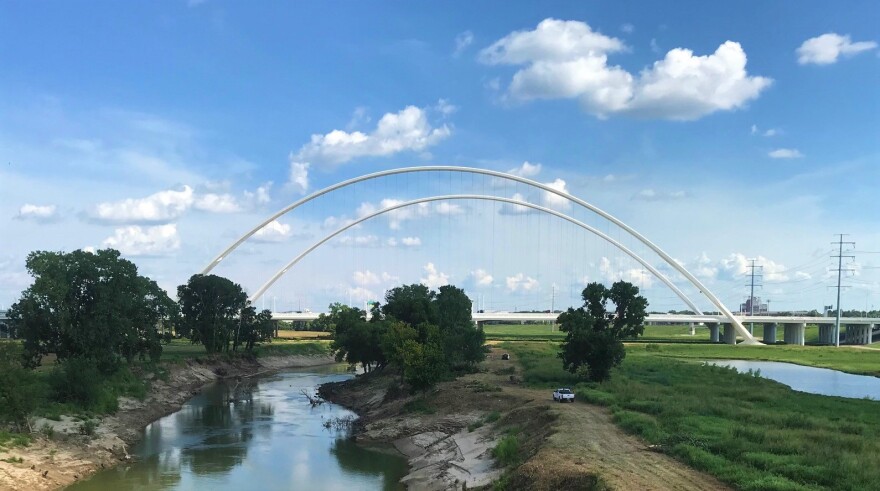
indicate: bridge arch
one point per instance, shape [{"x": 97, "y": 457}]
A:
[{"x": 740, "y": 329}]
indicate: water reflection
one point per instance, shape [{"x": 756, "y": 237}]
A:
[{"x": 259, "y": 434}]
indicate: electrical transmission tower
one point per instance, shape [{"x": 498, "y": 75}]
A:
[
  {"x": 756, "y": 273},
  {"x": 840, "y": 269}
]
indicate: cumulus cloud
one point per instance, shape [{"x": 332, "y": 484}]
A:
[
  {"x": 553, "y": 200},
  {"x": 37, "y": 213},
  {"x": 144, "y": 241},
  {"x": 406, "y": 130},
  {"x": 359, "y": 240},
  {"x": 527, "y": 169},
  {"x": 163, "y": 206},
  {"x": 411, "y": 241},
  {"x": 434, "y": 278},
  {"x": 217, "y": 203},
  {"x": 652, "y": 195},
  {"x": 462, "y": 41},
  {"x": 365, "y": 278},
  {"x": 445, "y": 208},
  {"x": 828, "y": 48},
  {"x": 737, "y": 265},
  {"x": 637, "y": 276},
  {"x": 395, "y": 217},
  {"x": 785, "y": 153},
  {"x": 481, "y": 277},
  {"x": 273, "y": 231},
  {"x": 521, "y": 283},
  {"x": 299, "y": 176},
  {"x": 568, "y": 60},
  {"x": 628, "y": 28},
  {"x": 445, "y": 108}
]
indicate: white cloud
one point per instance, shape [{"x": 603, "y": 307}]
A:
[
  {"x": 771, "y": 132},
  {"x": 217, "y": 203},
  {"x": 754, "y": 129},
  {"x": 785, "y": 153},
  {"x": 411, "y": 241},
  {"x": 406, "y": 130},
  {"x": 391, "y": 242},
  {"x": 567, "y": 59},
  {"x": 273, "y": 231},
  {"x": 527, "y": 169},
  {"x": 37, "y": 213},
  {"x": 360, "y": 294},
  {"x": 628, "y": 28},
  {"x": 554, "y": 200},
  {"x": 395, "y": 217},
  {"x": 462, "y": 41},
  {"x": 444, "y": 107},
  {"x": 163, "y": 206},
  {"x": 299, "y": 176},
  {"x": 827, "y": 48},
  {"x": 445, "y": 208},
  {"x": 521, "y": 283},
  {"x": 144, "y": 241},
  {"x": 359, "y": 240},
  {"x": 481, "y": 277},
  {"x": 703, "y": 267},
  {"x": 435, "y": 278},
  {"x": 737, "y": 264},
  {"x": 637, "y": 276},
  {"x": 260, "y": 196},
  {"x": 365, "y": 278},
  {"x": 652, "y": 195}
]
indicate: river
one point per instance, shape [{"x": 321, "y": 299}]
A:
[
  {"x": 259, "y": 435},
  {"x": 822, "y": 381}
]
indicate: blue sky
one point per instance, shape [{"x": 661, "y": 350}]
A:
[{"x": 722, "y": 132}]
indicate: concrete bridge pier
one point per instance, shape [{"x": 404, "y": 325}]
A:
[
  {"x": 859, "y": 333},
  {"x": 693, "y": 328},
  {"x": 794, "y": 333},
  {"x": 769, "y": 333},
  {"x": 729, "y": 334},
  {"x": 713, "y": 331},
  {"x": 826, "y": 334}
]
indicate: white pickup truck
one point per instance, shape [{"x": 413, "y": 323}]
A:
[{"x": 563, "y": 395}]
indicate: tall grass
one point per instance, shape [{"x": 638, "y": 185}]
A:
[{"x": 753, "y": 433}]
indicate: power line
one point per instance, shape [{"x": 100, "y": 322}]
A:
[{"x": 840, "y": 271}]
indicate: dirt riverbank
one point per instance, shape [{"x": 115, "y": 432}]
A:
[
  {"x": 52, "y": 463},
  {"x": 447, "y": 436}
]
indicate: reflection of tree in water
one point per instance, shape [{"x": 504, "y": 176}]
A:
[
  {"x": 229, "y": 421},
  {"x": 356, "y": 459},
  {"x": 152, "y": 473}
]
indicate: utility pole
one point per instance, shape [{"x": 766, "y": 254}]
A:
[
  {"x": 840, "y": 271},
  {"x": 753, "y": 275},
  {"x": 552, "y": 304}
]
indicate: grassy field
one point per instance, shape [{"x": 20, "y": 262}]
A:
[
  {"x": 654, "y": 334},
  {"x": 751, "y": 432},
  {"x": 288, "y": 334}
]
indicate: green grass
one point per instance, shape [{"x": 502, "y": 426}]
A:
[
  {"x": 517, "y": 332},
  {"x": 9, "y": 440},
  {"x": 751, "y": 432},
  {"x": 181, "y": 349}
]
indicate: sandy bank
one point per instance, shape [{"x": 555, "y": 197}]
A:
[{"x": 52, "y": 463}]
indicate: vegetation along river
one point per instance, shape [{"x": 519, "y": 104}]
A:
[{"x": 258, "y": 434}]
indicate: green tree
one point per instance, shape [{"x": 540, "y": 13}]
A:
[
  {"x": 412, "y": 304},
  {"x": 211, "y": 309},
  {"x": 253, "y": 328},
  {"x": 88, "y": 305},
  {"x": 20, "y": 391},
  {"x": 593, "y": 344},
  {"x": 462, "y": 342}
]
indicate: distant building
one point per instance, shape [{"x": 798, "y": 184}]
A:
[{"x": 759, "y": 308}]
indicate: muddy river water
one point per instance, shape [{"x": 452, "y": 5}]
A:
[{"x": 260, "y": 434}]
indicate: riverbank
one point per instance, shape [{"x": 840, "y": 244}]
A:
[
  {"x": 62, "y": 455},
  {"x": 448, "y": 433}
]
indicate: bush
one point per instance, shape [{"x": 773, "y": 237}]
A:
[
  {"x": 88, "y": 427},
  {"x": 507, "y": 450},
  {"x": 79, "y": 382},
  {"x": 20, "y": 391}
]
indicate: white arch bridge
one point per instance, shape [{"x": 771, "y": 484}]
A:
[{"x": 734, "y": 324}]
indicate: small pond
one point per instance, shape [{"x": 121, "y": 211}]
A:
[{"x": 822, "y": 381}]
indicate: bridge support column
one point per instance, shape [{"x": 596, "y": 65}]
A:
[
  {"x": 693, "y": 329},
  {"x": 729, "y": 334},
  {"x": 713, "y": 331},
  {"x": 858, "y": 334},
  {"x": 769, "y": 333},
  {"x": 826, "y": 333},
  {"x": 794, "y": 333}
]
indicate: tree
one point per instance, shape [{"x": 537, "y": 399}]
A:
[
  {"x": 411, "y": 304},
  {"x": 212, "y": 308},
  {"x": 88, "y": 305},
  {"x": 20, "y": 391},
  {"x": 462, "y": 342},
  {"x": 594, "y": 335}
]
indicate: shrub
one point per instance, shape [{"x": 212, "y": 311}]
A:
[
  {"x": 88, "y": 427},
  {"x": 507, "y": 450},
  {"x": 20, "y": 391}
]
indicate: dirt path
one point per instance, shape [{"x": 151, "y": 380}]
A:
[{"x": 586, "y": 441}]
